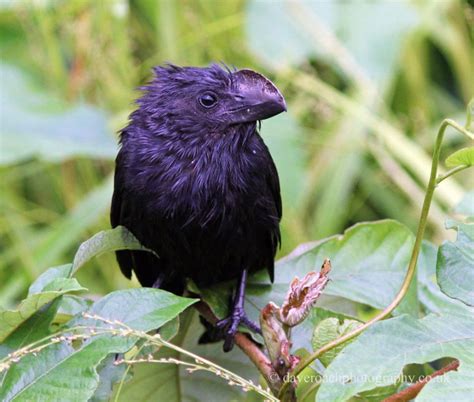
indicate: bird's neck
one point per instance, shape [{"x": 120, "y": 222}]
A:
[{"x": 208, "y": 143}]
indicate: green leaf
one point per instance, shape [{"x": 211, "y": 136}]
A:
[
  {"x": 329, "y": 330},
  {"x": 431, "y": 296},
  {"x": 318, "y": 314},
  {"x": 290, "y": 32},
  {"x": 369, "y": 262},
  {"x": 10, "y": 320},
  {"x": 377, "y": 357},
  {"x": 109, "y": 374},
  {"x": 34, "y": 328},
  {"x": 462, "y": 157},
  {"x": 118, "y": 238},
  {"x": 102, "y": 242},
  {"x": 112, "y": 374},
  {"x": 62, "y": 372},
  {"x": 169, "y": 330},
  {"x": 455, "y": 265},
  {"x": 47, "y": 277},
  {"x": 142, "y": 309},
  {"x": 36, "y": 124},
  {"x": 37, "y": 325}
]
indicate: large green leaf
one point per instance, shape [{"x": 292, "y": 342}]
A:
[
  {"x": 377, "y": 357},
  {"x": 142, "y": 309},
  {"x": 108, "y": 240},
  {"x": 109, "y": 374},
  {"x": 369, "y": 263},
  {"x": 431, "y": 297},
  {"x": 10, "y": 320},
  {"x": 455, "y": 265},
  {"x": 33, "y": 329},
  {"x": 59, "y": 372},
  {"x": 102, "y": 242},
  {"x": 289, "y": 32},
  {"x": 47, "y": 277},
  {"x": 36, "y": 124},
  {"x": 63, "y": 372}
]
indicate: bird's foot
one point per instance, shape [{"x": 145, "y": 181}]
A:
[{"x": 230, "y": 325}]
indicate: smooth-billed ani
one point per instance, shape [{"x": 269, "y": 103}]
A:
[{"x": 195, "y": 183}]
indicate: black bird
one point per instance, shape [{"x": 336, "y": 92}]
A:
[{"x": 195, "y": 183}]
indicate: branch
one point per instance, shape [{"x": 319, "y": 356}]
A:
[
  {"x": 451, "y": 172},
  {"x": 249, "y": 347},
  {"x": 413, "y": 390}
]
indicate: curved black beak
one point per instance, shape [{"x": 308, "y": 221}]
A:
[{"x": 256, "y": 98}]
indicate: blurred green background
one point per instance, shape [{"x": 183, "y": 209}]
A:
[{"x": 367, "y": 84}]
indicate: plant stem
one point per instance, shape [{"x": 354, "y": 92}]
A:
[
  {"x": 250, "y": 348},
  {"x": 411, "y": 266},
  {"x": 451, "y": 172},
  {"x": 458, "y": 127},
  {"x": 413, "y": 390}
]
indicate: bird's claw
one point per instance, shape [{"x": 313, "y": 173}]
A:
[{"x": 230, "y": 325}]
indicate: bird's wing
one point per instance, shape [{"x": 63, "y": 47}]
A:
[
  {"x": 124, "y": 257},
  {"x": 274, "y": 239},
  {"x": 274, "y": 183},
  {"x": 116, "y": 208},
  {"x": 143, "y": 263}
]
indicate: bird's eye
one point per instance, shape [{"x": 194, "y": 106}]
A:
[{"x": 208, "y": 100}]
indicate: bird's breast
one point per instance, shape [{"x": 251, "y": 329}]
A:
[{"x": 212, "y": 183}]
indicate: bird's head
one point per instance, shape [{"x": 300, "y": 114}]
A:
[{"x": 191, "y": 99}]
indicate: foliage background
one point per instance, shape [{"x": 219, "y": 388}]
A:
[{"x": 367, "y": 84}]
